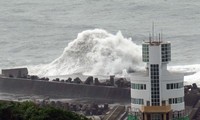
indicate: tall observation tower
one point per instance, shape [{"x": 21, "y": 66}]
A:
[{"x": 157, "y": 94}]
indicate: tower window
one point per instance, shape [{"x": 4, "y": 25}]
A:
[
  {"x": 138, "y": 86},
  {"x": 166, "y": 52},
  {"x": 145, "y": 52},
  {"x": 137, "y": 101},
  {"x": 174, "y": 85},
  {"x": 155, "y": 91},
  {"x": 176, "y": 100}
]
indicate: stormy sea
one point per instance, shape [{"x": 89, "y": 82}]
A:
[{"x": 97, "y": 37}]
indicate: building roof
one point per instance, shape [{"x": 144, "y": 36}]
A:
[{"x": 155, "y": 42}]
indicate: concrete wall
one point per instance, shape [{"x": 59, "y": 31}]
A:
[
  {"x": 15, "y": 72},
  {"x": 64, "y": 90}
]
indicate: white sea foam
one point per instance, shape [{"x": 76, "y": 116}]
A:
[
  {"x": 194, "y": 77},
  {"x": 94, "y": 52},
  {"x": 185, "y": 68},
  {"x": 97, "y": 52}
]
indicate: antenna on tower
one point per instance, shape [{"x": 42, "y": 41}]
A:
[
  {"x": 153, "y": 30},
  {"x": 156, "y": 37},
  {"x": 159, "y": 38},
  {"x": 161, "y": 34},
  {"x": 150, "y": 38}
]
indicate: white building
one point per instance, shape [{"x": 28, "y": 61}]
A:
[{"x": 157, "y": 94}]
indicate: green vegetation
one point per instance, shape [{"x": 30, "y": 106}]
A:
[
  {"x": 31, "y": 111},
  {"x": 132, "y": 117},
  {"x": 182, "y": 118}
]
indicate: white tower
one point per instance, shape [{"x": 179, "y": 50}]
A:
[{"x": 157, "y": 94}]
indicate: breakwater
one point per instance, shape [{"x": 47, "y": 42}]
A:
[{"x": 55, "y": 89}]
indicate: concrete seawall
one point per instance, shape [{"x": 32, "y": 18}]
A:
[{"x": 64, "y": 90}]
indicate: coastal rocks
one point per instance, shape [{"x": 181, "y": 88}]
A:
[
  {"x": 96, "y": 81},
  {"x": 34, "y": 77},
  {"x": 115, "y": 82},
  {"x": 44, "y": 78},
  {"x": 77, "y": 80},
  {"x": 122, "y": 83},
  {"x": 69, "y": 80},
  {"x": 89, "y": 80}
]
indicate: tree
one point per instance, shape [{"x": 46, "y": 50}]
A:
[{"x": 31, "y": 111}]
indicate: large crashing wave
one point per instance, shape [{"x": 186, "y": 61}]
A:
[{"x": 95, "y": 52}]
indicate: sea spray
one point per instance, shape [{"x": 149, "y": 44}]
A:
[
  {"x": 95, "y": 52},
  {"x": 192, "y": 73}
]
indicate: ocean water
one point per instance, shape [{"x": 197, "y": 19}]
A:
[{"x": 96, "y": 37}]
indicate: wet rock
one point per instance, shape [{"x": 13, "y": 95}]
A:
[
  {"x": 47, "y": 79},
  {"x": 96, "y": 81},
  {"x": 62, "y": 80},
  {"x": 69, "y": 79},
  {"x": 89, "y": 80},
  {"x": 112, "y": 78},
  {"x": 194, "y": 86},
  {"x": 57, "y": 79},
  {"x": 77, "y": 80},
  {"x": 34, "y": 77}
]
